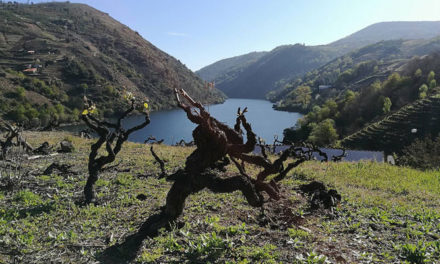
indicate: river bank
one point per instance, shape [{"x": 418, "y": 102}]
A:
[{"x": 173, "y": 125}]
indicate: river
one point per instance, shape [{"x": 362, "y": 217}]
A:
[{"x": 173, "y": 125}]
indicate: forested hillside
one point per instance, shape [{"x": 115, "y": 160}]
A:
[
  {"x": 53, "y": 54},
  {"x": 228, "y": 68},
  {"x": 393, "y": 100},
  {"x": 353, "y": 71},
  {"x": 274, "y": 68},
  {"x": 284, "y": 64},
  {"x": 419, "y": 119}
]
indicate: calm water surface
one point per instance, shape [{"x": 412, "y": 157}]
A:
[{"x": 173, "y": 125}]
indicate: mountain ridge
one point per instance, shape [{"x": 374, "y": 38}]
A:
[
  {"x": 226, "y": 65},
  {"x": 392, "y": 30},
  {"x": 251, "y": 82},
  {"x": 383, "y": 57},
  {"x": 78, "y": 50}
]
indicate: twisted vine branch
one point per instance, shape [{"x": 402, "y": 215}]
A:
[{"x": 107, "y": 133}]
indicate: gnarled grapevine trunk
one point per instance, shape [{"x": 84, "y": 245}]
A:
[
  {"x": 13, "y": 132},
  {"x": 107, "y": 134},
  {"x": 217, "y": 144}
]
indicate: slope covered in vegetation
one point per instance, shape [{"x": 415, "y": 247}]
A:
[
  {"x": 274, "y": 68},
  {"x": 284, "y": 64},
  {"x": 52, "y": 54},
  {"x": 228, "y": 68},
  {"x": 346, "y": 109},
  {"x": 388, "y": 214},
  {"x": 390, "y": 31},
  {"x": 353, "y": 71},
  {"x": 394, "y": 131}
]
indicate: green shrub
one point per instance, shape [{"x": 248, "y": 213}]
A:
[
  {"x": 422, "y": 153},
  {"x": 323, "y": 133},
  {"x": 21, "y": 92}
]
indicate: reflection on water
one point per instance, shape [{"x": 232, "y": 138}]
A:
[{"x": 173, "y": 125}]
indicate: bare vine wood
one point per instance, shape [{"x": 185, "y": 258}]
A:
[
  {"x": 183, "y": 143},
  {"x": 153, "y": 140},
  {"x": 160, "y": 162},
  {"x": 217, "y": 144},
  {"x": 111, "y": 136},
  {"x": 339, "y": 157},
  {"x": 13, "y": 137}
]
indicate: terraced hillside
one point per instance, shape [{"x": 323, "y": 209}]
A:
[
  {"x": 283, "y": 65},
  {"x": 354, "y": 71},
  {"x": 394, "y": 131},
  {"x": 61, "y": 51}
]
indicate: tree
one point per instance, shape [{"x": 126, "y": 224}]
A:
[
  {"x": 432, "y": 84},
  {"x": 423, "y": 153},
  {"x": 376, "y": 86},
  {"x": 31, "y": 112},
  {"x": 418, "y": 73},
  {"x": 21, "y": 92},
  {"x": 349, "y": 96},
  {"x": 324, "y": 133},
  {"x": 393, "y": 81},
  {"x": 303, "y": 95},
  {"x": 18, "y": 114},
  {"x": 296, "y": 134},
  {"x": 332, "y": 105},
  {"x": 423, "y": 90},
  {"x": 346, "y": 76},
  {"x": 431, "y": 76},
  {"x": 110, "y": 90},
  {"x": 386, "y": 105},
  {"x": 107, "y": 133}
]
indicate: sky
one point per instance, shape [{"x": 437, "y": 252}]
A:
[{"x": 201, "y": 32}]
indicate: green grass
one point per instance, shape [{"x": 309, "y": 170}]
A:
[
  {"x": 27, "y": 198},
  {"x": 388, "y": 214},
  {"x": 378, "y": 184}
]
